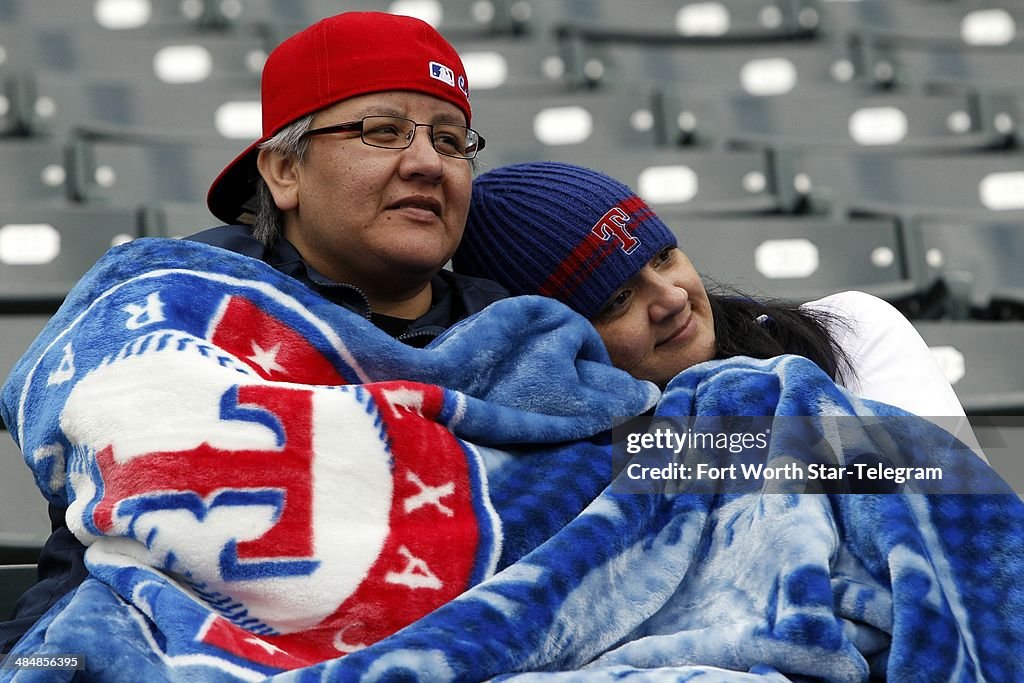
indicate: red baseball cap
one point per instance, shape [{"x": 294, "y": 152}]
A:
[{"x": 339, "y": 57}]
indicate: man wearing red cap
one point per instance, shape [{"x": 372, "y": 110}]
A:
[{"x": 359, "y": 188}]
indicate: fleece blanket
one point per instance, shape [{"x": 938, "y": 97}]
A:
[{"x": 270, "y": 487}]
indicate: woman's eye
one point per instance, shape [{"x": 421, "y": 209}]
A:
[
  {"x": 664, "y": 255},
  {"x": 616, "y": 305}
]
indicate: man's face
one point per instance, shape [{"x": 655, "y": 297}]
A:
[{"x": 380, "y": 219}]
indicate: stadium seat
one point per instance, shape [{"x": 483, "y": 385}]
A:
[
  {"x": 762, "y": 68},
  {"x": 798, "y": 258},
  {"x": 46, "y": 248},
  {"x": 11, "y": 92},
  {"x": 904, "y": 122},
  {"x": 920, "y": 65},
  {"x": 20, "y": 330},
  {"x": 974, "y": 184},
  {"x": 980, "y": 258},
  {"x": 176, "y": 219},
  {"x": 693, "y": 181},
  {"x": 160, "y": 55},
  {"x": 981, "y": 360},
  {"x": 676, "y": 19},
  {"x": 129, "y": 171},
  {"x": 15, "y": 579},
  {"x": 62, "y": 103},
  {"x": 117, "y": 15},
  {"x": 456, "y": 19},
  {"x": 965, "y": 23},
  {"x": 504, "y": 63},
  {"x": 24, "y": 522},
  {"x": 1002, "y": 439},
  {"x": 33, "y": 170},
  {"x": 521, "y": 127}
]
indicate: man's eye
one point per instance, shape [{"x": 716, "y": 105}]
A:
[
  {"x": 449, "y": 142},
  {"x": 383, "y": 132}
]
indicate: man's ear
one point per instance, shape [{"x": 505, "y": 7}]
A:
[{"x": 281, "y": 175}]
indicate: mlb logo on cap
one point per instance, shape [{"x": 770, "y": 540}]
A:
[{"x": 442, "y": 73}]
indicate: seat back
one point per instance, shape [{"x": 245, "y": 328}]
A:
[
  {"x": 982, "y": 361},
  {"x": 24, "y": 522},
  {"x": 15, "y": 579},
  {"x": 797, "y": 258},
  {"x": 45, "y": 249}
]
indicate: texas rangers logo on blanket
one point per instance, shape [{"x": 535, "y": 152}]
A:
[{"x": 312, "y": 513}]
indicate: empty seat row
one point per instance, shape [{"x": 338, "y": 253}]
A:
[
  {"x": 161, "y": 55},
  {"x": 205, "y": 16},
  {"x": 128, "y": 171},
  {"x": 767, "y": 47},
  {"x": 929, "y": 266},
  {"x": 44, "y": 103},
  {"x": 122, "y": 172}
]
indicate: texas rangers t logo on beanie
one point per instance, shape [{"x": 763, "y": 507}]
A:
[{"x": 613, "y": 224}]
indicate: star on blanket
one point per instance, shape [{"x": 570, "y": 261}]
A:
[{"x": 266, "y": 358}]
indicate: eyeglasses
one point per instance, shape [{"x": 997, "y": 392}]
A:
[{"x": 395, "y": 132}]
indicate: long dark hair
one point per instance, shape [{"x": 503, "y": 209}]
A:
[{"x": 763, "y": 328}]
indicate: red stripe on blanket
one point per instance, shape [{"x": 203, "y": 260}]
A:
[{"x": 270, "y": 347}]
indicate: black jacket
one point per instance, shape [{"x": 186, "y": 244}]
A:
[{"x": 62, "y": 560}]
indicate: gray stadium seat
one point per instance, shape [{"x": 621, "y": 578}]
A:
[
  {"x": 693, "y": 182},
  {"x": 799, "y": 258},
  {"x": 978, "y": 258},
  {"x": 519, "y": 127},
  {"x": 513, "y": 63},
  {"x": 929, "y": 65},
  {"x": 176, "y": 219},
  {"x": 764, "y": 68},
  {"x": 1002, "y": 439},
  {"x": 453, "y": 18},
  {"x": 159, "y": 55},
  {"x": 681, "y": 19},
  {"x": 24, "y": 522},
  {"x": 118, "y": 15},
  {"x": 20, "y": 330},
  {"x": 894, "y": 122},
  {"x": 62, "y": 103},
  {"x": 10, "y": 94},
  {"x": 974, "y": 184},
  {"x": 33, "y": 170},
  {"x": 982, "y": 362},
  {"x": 992, "y": 22},
  {"x": 129, "y": 172},
  {"x": 15, "y": 579},
  {"x": 46, "y": 248}
]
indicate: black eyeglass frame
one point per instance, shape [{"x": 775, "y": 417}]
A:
[{"x": 357, "y": 127}]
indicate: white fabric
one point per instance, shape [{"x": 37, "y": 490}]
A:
[{"x": 892, "y": 362}]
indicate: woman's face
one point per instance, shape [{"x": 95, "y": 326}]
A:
[{"x": 659, "y": 323}]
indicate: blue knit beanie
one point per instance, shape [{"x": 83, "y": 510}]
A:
[{"x": 558, "y": 230}]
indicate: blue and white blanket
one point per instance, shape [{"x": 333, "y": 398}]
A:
[{"x": 269, "y": 486}]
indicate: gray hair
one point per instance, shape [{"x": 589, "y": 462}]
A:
[{"x": 289, "y": 143}]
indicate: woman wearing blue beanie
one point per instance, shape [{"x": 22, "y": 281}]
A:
[{"x": 584, "y": 238}]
